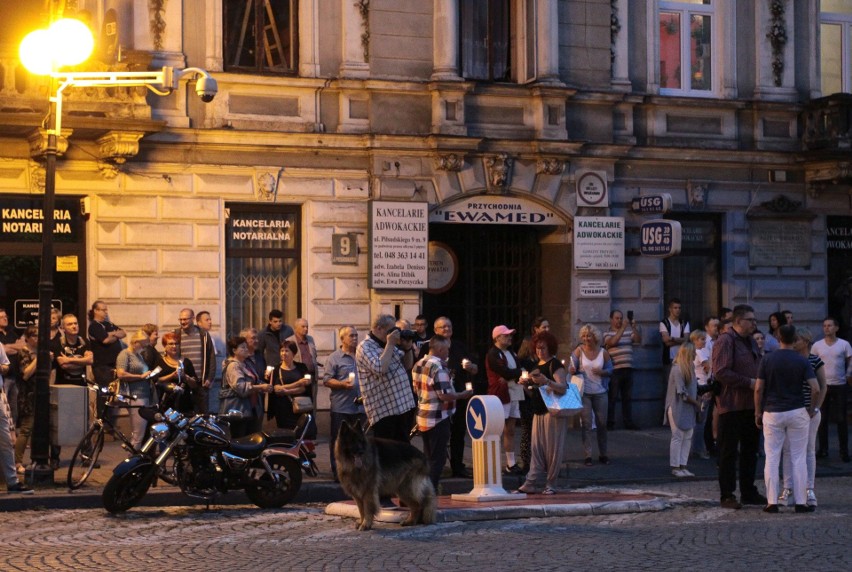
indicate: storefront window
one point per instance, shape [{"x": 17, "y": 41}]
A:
[{"x": 262, "y": 266}]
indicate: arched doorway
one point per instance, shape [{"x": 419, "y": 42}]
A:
[{"x": 509, "y": 269}]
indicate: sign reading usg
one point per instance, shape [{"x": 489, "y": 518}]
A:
[{"x": 660, "y": 238}]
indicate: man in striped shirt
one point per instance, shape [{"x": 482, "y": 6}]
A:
[
  {"x": 619, "y": 341},
  {"x": 435, "y": 403}
]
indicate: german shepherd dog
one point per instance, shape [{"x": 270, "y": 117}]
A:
[{"x": 369, "y": 468}]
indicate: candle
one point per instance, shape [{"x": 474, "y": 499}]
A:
[{"x": 468, "y": 386}]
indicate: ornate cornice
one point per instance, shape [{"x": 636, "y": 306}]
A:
[
  {"x": 499, "y": 169},
  {"x": 449, "y": 162},
  {"x": 549, "y": 166},
  {"x": 38, "y": 142},
  {"x": 115, "y": 148}
]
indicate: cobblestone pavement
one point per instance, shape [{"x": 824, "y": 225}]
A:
[{"x": 695, "y": 534}]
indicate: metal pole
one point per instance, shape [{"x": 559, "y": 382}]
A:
[{"x": 41, "y": 418}]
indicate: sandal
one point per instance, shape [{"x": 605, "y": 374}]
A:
[{"x": 548, "y": 491}]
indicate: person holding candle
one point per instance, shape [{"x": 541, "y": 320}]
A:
[
  {"x": 289, "y": 380},
  {"x": 341, "y": 377},
  {"x": 436, "y": 402}
]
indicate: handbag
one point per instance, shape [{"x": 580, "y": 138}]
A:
[
  {"x": 302, "y": 404},
  {"x": 565, "y": 405},
  {"x": 577, "y": 381}
]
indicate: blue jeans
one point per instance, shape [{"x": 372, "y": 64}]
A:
[
  {"x": 621, "y": 384},
  {"x": 594, "y": 403},
  {"x": 435, "y": 442}
]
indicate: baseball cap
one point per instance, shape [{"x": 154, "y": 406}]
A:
[{"x": 499, "y": 331}]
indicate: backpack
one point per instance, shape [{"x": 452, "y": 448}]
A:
[{"x": 667, "y": 358}]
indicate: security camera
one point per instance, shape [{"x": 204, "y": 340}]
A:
[{"x": 206, "y": 88}]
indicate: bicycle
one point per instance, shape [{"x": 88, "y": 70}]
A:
[{"x": 85, "y": 458}]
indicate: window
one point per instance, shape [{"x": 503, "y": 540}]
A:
[
  {"x": 261, "y": 36},
  {"x": 485, "y": 39},
  {"x": 835, "y": 46},
  {"x": 686, "y": 47}
]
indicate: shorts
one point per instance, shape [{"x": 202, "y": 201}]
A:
[{"x": 512, "y": 409}]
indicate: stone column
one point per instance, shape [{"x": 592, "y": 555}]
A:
[
  {"x": 309, "y": 38},
  {"x": 547, "y": 41},
  {"x": 620, "y": 47},
  {"x": 445, "y": 40},
  {"x": 353, "y": 25}
]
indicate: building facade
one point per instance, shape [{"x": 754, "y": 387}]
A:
[{"x": 494, "y": 115}]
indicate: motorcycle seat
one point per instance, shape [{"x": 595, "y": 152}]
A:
[
  {"x": 281, "y": 436},
  {"x": 248, "y": 446}
]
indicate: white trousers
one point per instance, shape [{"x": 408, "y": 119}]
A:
[
  {"x": 680, "y": 444},
  {"x": 810, "y": 455},
  {"x": 793, "y": 427}
]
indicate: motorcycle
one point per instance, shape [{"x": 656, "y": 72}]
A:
[{"x": 198, "y": 455}]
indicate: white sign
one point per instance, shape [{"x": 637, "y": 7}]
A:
[
  {"x": 489, "y": 209},
  {"x": 399, "y": 245},
  {"x": 591, "y": 189},
  {"x": 594, "y": 289},
  {"x": 598, "y": 243}
]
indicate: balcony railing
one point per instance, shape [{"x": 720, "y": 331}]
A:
[{"x": 828, "y": 123}]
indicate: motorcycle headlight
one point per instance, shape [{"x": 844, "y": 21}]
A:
[{"x": 159, "y": 431}]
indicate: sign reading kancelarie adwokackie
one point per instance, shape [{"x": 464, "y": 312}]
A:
[
  {"x": 399, "y": 245},
  {"x": 598, "y": 243}
]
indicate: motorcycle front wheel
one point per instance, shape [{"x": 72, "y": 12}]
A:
[
  {"x": 289, "y": 481},
  {"x": 123, "y": 492}
]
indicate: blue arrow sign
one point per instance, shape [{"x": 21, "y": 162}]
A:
[{"x": 476, "y": 418}]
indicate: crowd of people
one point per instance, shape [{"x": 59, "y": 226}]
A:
[
  {"x": 731, "y": 384},
  {"x": 727, "y": 382}
]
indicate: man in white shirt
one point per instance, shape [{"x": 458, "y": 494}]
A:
[
  {"x": 674, "y": 333},
  {"x": 836, "y": 353}
]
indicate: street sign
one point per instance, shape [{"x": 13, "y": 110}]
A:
[
  {"x": 26, "y": 312},
  {"x": 476, "y": 418},
  {"x": 660, "y": 238},
  {"x": 344, "y": 248},
  {"x": 652, "y": 204},
  {"x": 592, "y": 189}
]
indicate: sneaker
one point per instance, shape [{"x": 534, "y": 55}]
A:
[
  {"x": 730, "y": 502},
  {"x": 21, "y": 489},
  {"x": 805, "y": 508},
  {"x": 785, "y": 497},
  {"x": 771, "y": 508},
  {"x": 687, "y": 473},
  {"x": 811, "y": 498},
  {"x": 679, "y": 473},
  {"x": 704, "y": 455}
]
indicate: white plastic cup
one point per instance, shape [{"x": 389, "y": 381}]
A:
[
  {"x": 525, "y": 374},
  {"x": 468, "y": 386},
  {"x": 352, "y": 377}
]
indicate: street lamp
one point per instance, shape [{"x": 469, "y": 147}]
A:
[{"x": 69, "y": 42}]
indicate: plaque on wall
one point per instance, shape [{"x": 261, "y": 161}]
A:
[{"x": 779, "y": 243}]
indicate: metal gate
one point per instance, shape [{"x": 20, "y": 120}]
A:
[{"x": 499, "y": 281}]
